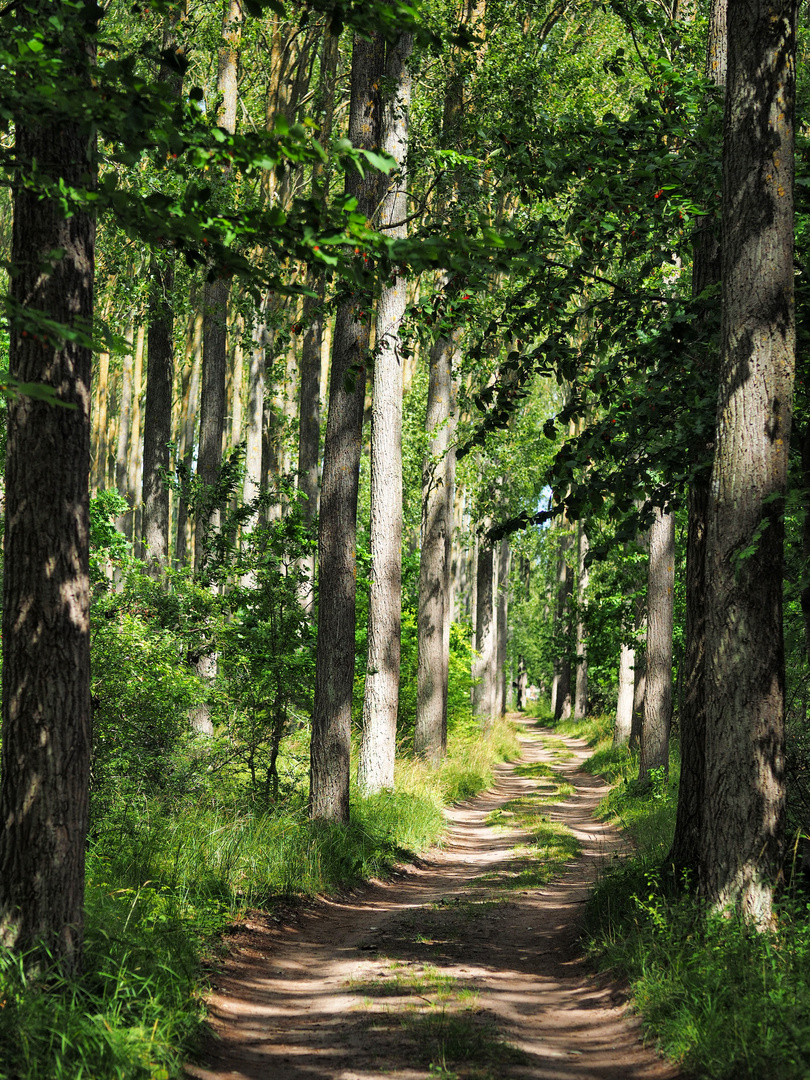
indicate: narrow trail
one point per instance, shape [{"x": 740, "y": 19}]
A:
[{"x": 443, "y": 971}]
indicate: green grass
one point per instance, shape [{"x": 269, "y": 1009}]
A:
[
  {"x": 720, "y": 999},
  {"x": 163, "y": 885},
  {"x": 451, "y": 1036},
  {"x": 549, "y": 844}
]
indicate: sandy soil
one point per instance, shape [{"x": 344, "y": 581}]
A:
[{"x": 437, "y": 973}]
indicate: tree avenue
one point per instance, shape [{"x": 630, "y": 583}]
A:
[{"x": 546, "y": 271}]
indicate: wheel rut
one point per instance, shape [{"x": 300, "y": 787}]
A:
[{"x": 456, "y": 968}]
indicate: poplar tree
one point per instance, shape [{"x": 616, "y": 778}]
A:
[
  {"x": 44, "y": 773},
  {"x": 744, "y": 801},
  {"x": 337, "y": 530},
  {"x": 381, "y": 698}
]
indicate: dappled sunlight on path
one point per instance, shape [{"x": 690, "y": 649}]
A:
[{"x": 451, "y": 966}]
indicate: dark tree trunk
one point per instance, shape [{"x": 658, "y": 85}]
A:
[
  {"x": 684, "y": 856},
  {"x": 212, "y": 413},
  {"x": 337, "y": 532},
  {"x": 309, "y": 425},
  {"x": 581, "y": 680},
  {"x": 565, "y": 588},
  {"x": 660, "y": 611},
  {"x": 381, "y": 699},
  {"x": 157, "y": 416},
  {"x": 46, "y": 639},
  {"x": 438, "y": 479},
  {"x": 157, "y": 419},
  {"x": 743, "y": 824}
]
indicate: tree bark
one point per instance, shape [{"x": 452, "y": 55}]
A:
[
  {"x": 212, "y": 414},
  {"x": 660, "y": 612},
  {"x": 123, "y": 448},
  {"x": 157, "y": 420},
  {"x": 684, "y": 856},
  {"x": 743, "y": 824},
  {"x": 46, "y": 589},
  {"x": 438, "y": 482},
  {"x": 484, "y": 692},
  {"x": 337, "y": 532},
  {"x": 565, "y": 588},
  {"x": 381, "y": 698},
  {"x": 624, "y": 705},
  {"x": 501, "y": 682},
  {"x": 215, "y": 307},
  {"x": 581, "y": 680}
]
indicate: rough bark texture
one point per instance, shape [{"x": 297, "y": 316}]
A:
[
  {"x": 46, "y": 639},
  {"x": 228, "y": 66},
  {"x": 213, "y": 397},
  {"x": 157, "y": 416},
  {"x": 212, "y": 411},
  {"x": 122, "y": 448},
  {"x": 438, "y": 475},
  {"x": 337, "y": 532},
  {"x": 381, "y": 698},
  {"x": 565, "y": 588},
  {"x": 624, "y": 705},
  {"x": 157, "y": 419},
  {"x": 309, "y": 425},
  {"x": 484, "y": 704},
  {"x": 581, "y": 680},
  {"x": 743, "y": 824},
  {"x": 501, "y": 683},
  {"x": 660, "y": 611},
  {"x": 684, "y": 855}
]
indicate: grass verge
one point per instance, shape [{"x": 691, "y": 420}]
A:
[
  {"x": 163, "y": 885},
  {"x": 721, "y": 1000}
]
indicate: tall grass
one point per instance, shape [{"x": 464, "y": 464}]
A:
[
  {"x": 720, "y": 999},
  {"x": 164, "y": 884}
]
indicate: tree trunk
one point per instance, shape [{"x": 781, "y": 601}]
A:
[
  {"x": 123, "y": 447},
  {"x": 484, "y": 703},
  {"x": 743, "y": 824},
  {"x": 438, "y": 475},
  {"x": 100, "y": 422},
  {"x": 381, "y": 699},
  {"x": 624, "y": 705},
  {"x": 309, "y": 414},
  {"x": 46, "y": 589},
  {"x": 565, "y": 588},
  {"x": 337, "y": 533},
  {"x": 157, "y": 420},
  {"x": 501, "y": 682},
  {"x": 212, "y": 415},
  {"x": 581, "y": 681},
  {"x": 215, "y": 311},
  {"x": 135, "y": 463},
  {"x": 254, "y": 417},
  {"x": 660, "y": 612},
  {"x": 684, "y": 855}
]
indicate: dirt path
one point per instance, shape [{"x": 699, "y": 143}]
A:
[{"x": 450, "y": 970}]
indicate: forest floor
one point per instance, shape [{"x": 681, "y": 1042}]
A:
[{"x": 461, "y": 967}]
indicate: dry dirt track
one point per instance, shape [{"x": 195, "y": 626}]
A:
[{"x": 435, "y": 974}]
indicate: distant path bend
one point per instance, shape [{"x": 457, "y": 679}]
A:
[{"x": 437, "y": 973}]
